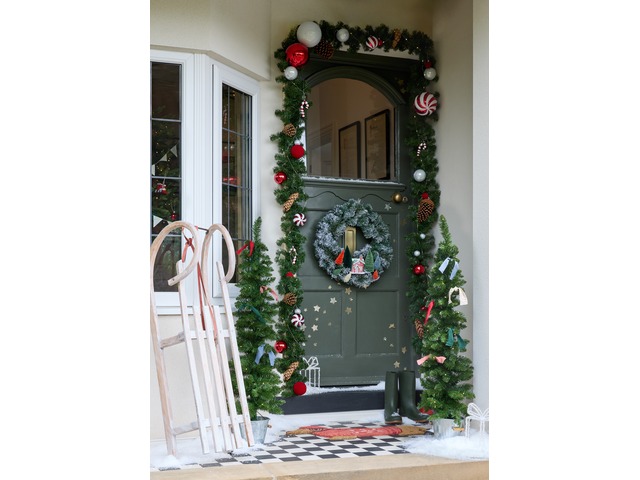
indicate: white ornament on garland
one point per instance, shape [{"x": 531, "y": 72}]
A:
[
  {"x": 430, "y": 73},
  {"x": 303, "y": 106},
  {"x": 474, "y": 413},
  {"x": 290, "y": 73},
  {"x": 309, "y": 34},
  {"x": 342, "y": 35},
  {"x": 419, "y": 175}
]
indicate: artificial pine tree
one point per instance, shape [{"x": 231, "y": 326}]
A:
[
  {"x": 446, "y": 372},
  {"x": 256, "y": 309}
]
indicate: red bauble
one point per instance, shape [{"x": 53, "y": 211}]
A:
[
  {"x": 299, "y": 388},
  {"x": 297, "y": 54},
  {"x": 418, "y": 269},
  {"x": 280, "y": 177},
  {"x": 280, "y": 346},
  {"x": 174, "y": 216},
  {"x": 290, "y": 274},
  {"x": 297, "y": 151},
  {"x": 427, "y": 64}
]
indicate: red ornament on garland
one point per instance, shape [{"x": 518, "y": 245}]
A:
[
  {"x": 419, "y": 269},
  {"x": 297, "y": 54},
  {"x": 280, "y": 177},
  {"x": 290, "y": 274},
  {"x": 280, "y": 346},
  {"x": 299, "y": 388},
  {"x": 297, "y": 151}
]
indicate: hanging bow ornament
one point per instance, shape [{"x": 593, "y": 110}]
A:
[
  {"x": 445, "y": 264},
  {"x": 248, "y": 245},
  {"x": 260, "y": 353},
  {"x": 428, "y": 309},
  {"x": 461, "y": 295},
  {"x": 161, "y": 188},
  {"x": 270, "y": 290}
]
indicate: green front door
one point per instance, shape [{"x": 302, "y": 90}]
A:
[{"x": 357, "y": 334}]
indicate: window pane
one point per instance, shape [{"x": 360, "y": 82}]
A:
[
  {"x": 166, "y": 184},
  {"x": 236, "y": 165}
]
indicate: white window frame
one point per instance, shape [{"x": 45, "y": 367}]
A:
[{"x": 201, "y": 167}]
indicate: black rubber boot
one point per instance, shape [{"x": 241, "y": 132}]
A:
[
  {"x": 391, "y": 399},
  {"x": 408, "y": 398}
]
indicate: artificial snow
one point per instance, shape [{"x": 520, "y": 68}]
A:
[{"x": 476, "y": 447}]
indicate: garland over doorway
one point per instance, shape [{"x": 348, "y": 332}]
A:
[{"x": 323, "y": 39}]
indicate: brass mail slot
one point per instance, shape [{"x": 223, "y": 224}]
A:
[{"x": 350, "y": 238}]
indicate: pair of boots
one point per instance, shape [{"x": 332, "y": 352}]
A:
[{"x": 407, "y": 396}]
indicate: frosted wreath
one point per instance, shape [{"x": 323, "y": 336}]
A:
[{"x": 329, "y": 236}]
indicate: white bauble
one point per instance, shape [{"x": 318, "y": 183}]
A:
[
  {"x": 423, "y": 236},
  {"x": 342, "y": 35},
  {"x": 430, "y": 73},
  {"x": 419, "y": 175},
  {"x": 309, "y": 34},
  {"x": 416, "y": 253},
  {"x": 291, "y": 73}
]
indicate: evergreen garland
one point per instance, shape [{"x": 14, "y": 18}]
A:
[
  {"x": 256, "y": 310},
  {"x": 446, "y": 385},
  {"x": 420, "y": 139}
]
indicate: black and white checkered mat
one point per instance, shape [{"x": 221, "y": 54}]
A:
[{"x": 307, "y": 447}]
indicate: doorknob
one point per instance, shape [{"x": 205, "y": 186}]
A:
[{"x": 399, "y": 198}]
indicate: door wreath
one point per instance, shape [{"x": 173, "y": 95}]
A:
[{"x": 364, "y": 266}]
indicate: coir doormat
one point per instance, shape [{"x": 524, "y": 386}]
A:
[{"x": 348, "y": 433}]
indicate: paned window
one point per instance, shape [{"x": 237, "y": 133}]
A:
[{"x": 203, "y": 125}]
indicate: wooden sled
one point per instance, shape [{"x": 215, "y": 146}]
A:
[{"x": 206, "y": 342}]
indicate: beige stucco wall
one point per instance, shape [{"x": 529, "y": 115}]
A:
[{"x": 245, "y": 33}]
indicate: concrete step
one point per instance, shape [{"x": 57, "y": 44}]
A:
[{"x": 390, "y": 467}]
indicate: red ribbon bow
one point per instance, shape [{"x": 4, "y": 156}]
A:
[{"x": 248, "y": 244}]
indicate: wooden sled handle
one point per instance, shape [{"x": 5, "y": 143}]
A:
[
  {"x": 155, "y": 246},
  {"x": 231, "y": 254}
]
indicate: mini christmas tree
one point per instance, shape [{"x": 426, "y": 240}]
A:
[
  {"x": 256, "y": 309},
  {"x": 445, "y": 372}
]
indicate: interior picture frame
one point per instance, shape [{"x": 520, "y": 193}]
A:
[
  {"x": 377, "y": 146},
  {"x": 349, "y": 151}
]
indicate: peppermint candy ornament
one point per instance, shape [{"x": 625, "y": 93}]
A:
[
  {"x": 425, "y": 103},
  {"x": 297, "y": 320},
  {"x": 299, "y": 219},
  {"x": 373, "y": 42}
]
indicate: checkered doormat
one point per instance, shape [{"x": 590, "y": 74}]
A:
[{"x": 309, "y": 447}]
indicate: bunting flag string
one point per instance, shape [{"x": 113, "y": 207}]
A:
[
  {"x": 462, "y": 344},
  {"x": 260, "y": 353},
  {"x": 440, "y": 360}
]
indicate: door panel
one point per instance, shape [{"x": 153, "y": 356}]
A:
[{"x": 357, "y": 334}]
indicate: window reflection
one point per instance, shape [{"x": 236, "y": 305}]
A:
[{"x": 350, "y": 131}]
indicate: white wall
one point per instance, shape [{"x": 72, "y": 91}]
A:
[{"x": 245, "y": 33}]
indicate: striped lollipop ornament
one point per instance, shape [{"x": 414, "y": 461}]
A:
[
  {"x": 373, "y": 42},
  {"x": 425, "y": 103},
  {"x": 299, "y": 219},
  {"x": 297, "y": 320}
]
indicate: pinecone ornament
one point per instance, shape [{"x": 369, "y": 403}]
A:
[
  {"x": 419, "y": 328},
  {"x": 289, "y": 203},
  {"x": 325, "y": 49},
  {"x": 289, "y": 371},
  {"x": 425, "y": 208},
  {"x": 290, "y": 298},
  {"x": 289, "y": 130},
  {"x": 397, "y": 35}
]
